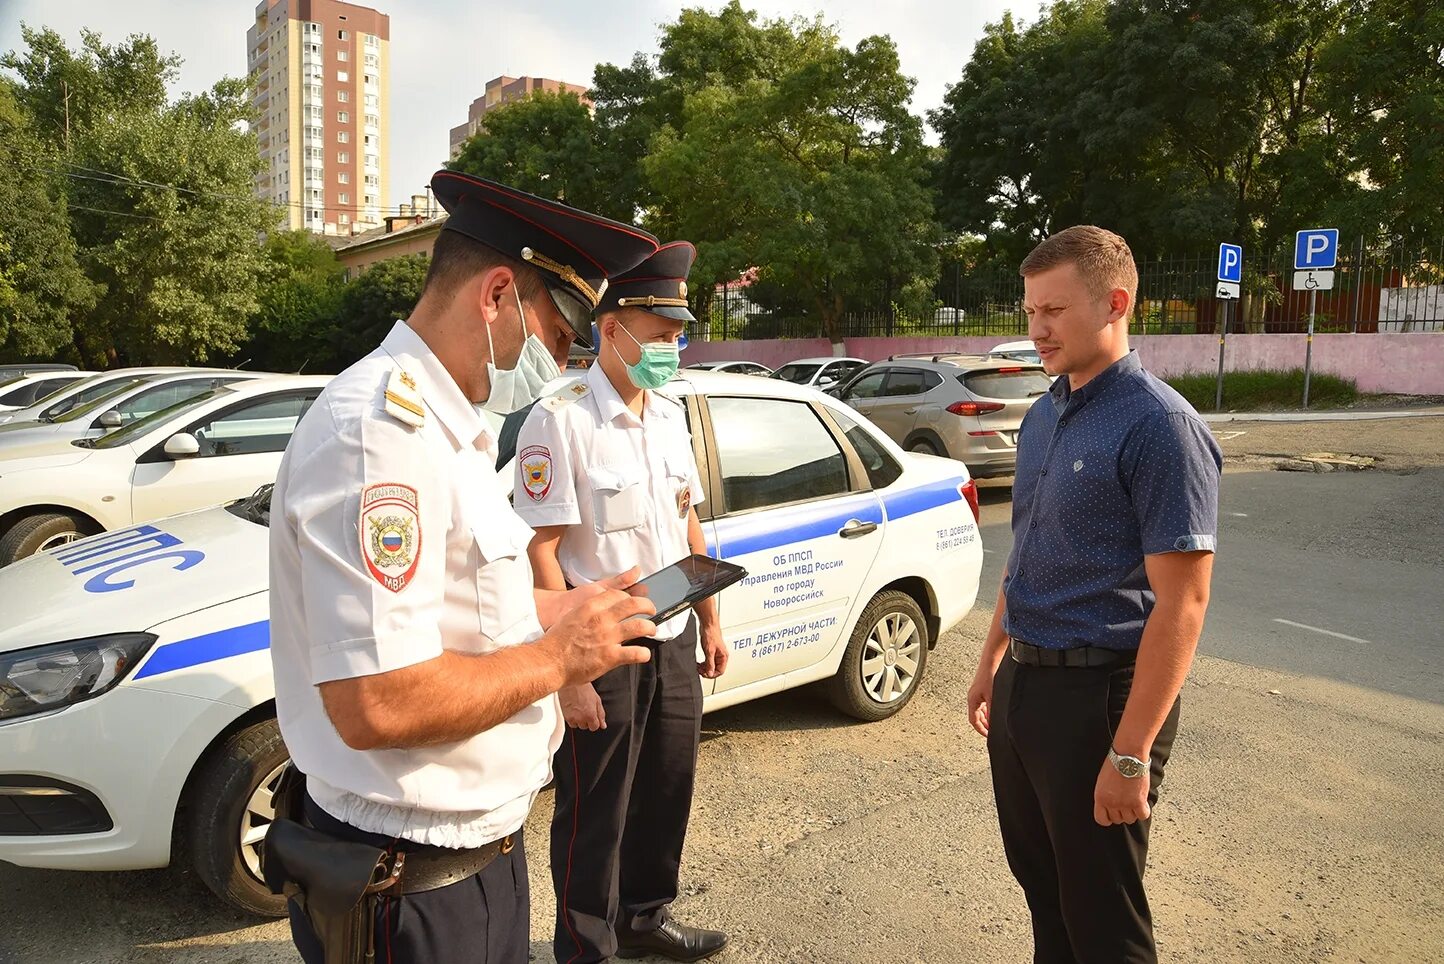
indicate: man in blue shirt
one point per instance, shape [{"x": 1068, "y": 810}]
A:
[{"x": 1115, "y": 514}]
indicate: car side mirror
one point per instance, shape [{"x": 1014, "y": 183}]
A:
[
  {"x": 111, "y": 419},
  {"x": 182, "y": 445},
  {"x": 827, "y": 381}
]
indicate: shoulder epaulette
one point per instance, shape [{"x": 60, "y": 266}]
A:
[
  {"x": 403, "y": 399},
  {"x": 565, "y": 395}
]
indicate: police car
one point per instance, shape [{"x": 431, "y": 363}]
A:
[
  {"x": 136, "y": 701},
  {"x": 210, "y": 443}
]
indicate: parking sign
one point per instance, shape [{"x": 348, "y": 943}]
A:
[
  {"x": 1316, "y": 249},
  {"x": 1230, "y": 263}
]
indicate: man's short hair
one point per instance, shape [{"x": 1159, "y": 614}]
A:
[
  {"x": 1103, "y": 259},
  {"x": 456, "y": 259}
]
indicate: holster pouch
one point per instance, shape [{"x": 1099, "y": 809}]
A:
[{"x": 335, "y": 883}]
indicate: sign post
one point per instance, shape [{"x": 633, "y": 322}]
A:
[
  {"x": 1230, "y": 276},
  {"x": 1316, "y": 252}
]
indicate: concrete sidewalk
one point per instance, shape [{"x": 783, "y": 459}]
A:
[{"x": 1322, "y": 416}]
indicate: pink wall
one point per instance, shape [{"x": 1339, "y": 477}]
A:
[{"x": 1404, "y": 364}]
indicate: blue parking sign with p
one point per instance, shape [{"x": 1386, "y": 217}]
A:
[
  {"x": 1230, "y": 263},
  {"x": 1316, "y": 249}
]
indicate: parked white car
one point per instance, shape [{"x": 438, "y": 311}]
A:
[
  {"x": 207, "y": 449},
  {"x": 734, "y": 367},
  {"x": 136, "y": 696},
  {"x": 821, "y": 373},
  {"x": 116, "y": 409},
  {"x": 83, "y": 392},
  {"x": 1023, "y": 351},
  {"x": 22, "y": 391}
]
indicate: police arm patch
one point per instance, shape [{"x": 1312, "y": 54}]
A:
[
  {"x": 536, "y": 471},
  {"x": 390, "y": 533}
]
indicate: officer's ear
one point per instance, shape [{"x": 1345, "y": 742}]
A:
[{"x": 494, "y": 293}]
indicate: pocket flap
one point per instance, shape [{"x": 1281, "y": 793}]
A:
[
  {"x": 614, "y": 478},
  {"x": 505, "y": 538}
]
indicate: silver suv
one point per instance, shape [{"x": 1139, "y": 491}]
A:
[{"x": 966, "y": 407}]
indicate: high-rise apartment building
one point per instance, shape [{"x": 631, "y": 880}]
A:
[
  {"x": 322, "y": 105},
  {"x": 504, "y": 90}
]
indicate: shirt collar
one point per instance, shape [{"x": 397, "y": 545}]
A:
[
  {"x": 438, "y": 389},
  {"x": 1063, "y": 393},
  {"x": 609, "y": 402}
]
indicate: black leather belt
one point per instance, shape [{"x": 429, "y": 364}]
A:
[
  {"x": 1078, "y": 657},
  {"x": 433, "y": 868}
]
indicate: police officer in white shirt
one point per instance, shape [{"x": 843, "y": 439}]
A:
[
  {"x": 415, "y": 664},
  {"x": 606, "y": 475}
]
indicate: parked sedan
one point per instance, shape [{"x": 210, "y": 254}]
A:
[
  {"x": 136, "y": 693},
  {"x": 1023, "y": 351},
  {"x": 22, "y": 391},
  {"x": 83, "y": 392},
  {"x": 821, "y": 373},
  {"x": 211, "y": 447},
  {"x": 966, "y": 407},
  {"x": 735, "y": 367},
  {"x": 127, "y": 402}
]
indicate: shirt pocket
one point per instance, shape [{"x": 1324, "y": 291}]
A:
[
  {"x": 504, "y": 596},
  {"x": 619, "y": 497}
]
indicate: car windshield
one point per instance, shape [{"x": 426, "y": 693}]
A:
[
  {"x": 147, "y": 423},
  {"x": 85, "y": 391},
  {"x": 81, "y": 409},
  {"x": 255, "y": 507},
  {"x": 797, "y": 374}
]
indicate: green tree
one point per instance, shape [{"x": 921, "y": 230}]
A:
[
  {"x": 371, "y": 303},
  {"x": 795, "y": 154},
  {"x": 547, "y": 144},
  {"x": 160, "y": 196},
  {"x": 294, "y": 326},
  {"x": 41, "y": 283}
]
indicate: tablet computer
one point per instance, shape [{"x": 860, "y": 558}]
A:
[{"x": 684, "y": 584}]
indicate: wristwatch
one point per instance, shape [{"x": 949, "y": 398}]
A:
[{"x": 1130, "y": 766}]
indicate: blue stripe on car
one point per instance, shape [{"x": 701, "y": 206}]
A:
[
  {"x": 236, "y": 641},
  {"x": 739, "y": 535}
]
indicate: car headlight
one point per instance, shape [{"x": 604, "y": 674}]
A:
[{"x": 58, "y": 674}]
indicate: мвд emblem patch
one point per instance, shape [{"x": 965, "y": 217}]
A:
[
  {"x": 536, "y": 471},
  {"x": 390, "y": 533}
]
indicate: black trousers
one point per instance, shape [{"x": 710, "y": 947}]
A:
[
  {"x": 1049, "y": 733},
  {"x": 623, "y": 796},
  {"x": 485, "y": 919}
]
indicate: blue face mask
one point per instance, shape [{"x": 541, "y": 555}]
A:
[{"x": 656, "y": 366}]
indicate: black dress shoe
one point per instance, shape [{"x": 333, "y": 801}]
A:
[{"x": 673, "y": 940}]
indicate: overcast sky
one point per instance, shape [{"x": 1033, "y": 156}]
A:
[{"x": 444, "y": 51}]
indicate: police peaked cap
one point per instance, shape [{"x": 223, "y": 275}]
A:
[
  {"x": 574, "y": 251},
  {"x": 658, "y": 285}
]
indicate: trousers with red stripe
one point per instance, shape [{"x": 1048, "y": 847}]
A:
[{"x": 623, "y": 796}]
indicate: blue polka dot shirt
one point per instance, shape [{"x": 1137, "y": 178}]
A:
[{"x": 1120, "y": 469}]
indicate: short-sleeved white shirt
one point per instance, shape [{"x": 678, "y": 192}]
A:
[
  {"x": 621, "y": 485},
  {"x": 389, "y": 544}
]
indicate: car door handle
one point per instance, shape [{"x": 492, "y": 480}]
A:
[{"x": 855, "y": 528}]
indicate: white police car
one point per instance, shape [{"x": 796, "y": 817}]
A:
[{"x": 136, "y": 702}]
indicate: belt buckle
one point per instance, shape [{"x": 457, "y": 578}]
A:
[
  {"x": 387, "y": 878},
  {"x": 507, "y": 845}
]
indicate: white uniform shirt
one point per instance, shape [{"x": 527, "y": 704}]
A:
[
  {"x": 390, "y": 543},
  {"x": 622, "y": 485}
]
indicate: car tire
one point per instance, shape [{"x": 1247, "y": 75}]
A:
[
  {"x": 231, "y": 797},
  {"x": 923, "y": 447},
  {"x": 873, "y": 681},
  {"x": 39, "y": 532}
]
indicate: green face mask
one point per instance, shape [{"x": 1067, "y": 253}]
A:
[{"x": 657, "y": 365}]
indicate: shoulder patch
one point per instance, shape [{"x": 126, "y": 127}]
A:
[
  {"x": 390, "y": 532},
  {"x": 564, "y": 396},
  {"x": 403, "y": 399},
  {"x": 536, "y": 471}
]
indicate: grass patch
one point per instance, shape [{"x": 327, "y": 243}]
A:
[{"x": 1265, "y": 390}]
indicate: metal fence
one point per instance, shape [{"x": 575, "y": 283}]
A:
[{"x": 1375, "y": 290}]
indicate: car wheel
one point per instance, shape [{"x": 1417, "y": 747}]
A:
[
  {"x": 37, "y": 533},
  {"x": 885, "y": 658},
  {"x": 923, "y": 447},
  {"x": 230, "y": 811}
]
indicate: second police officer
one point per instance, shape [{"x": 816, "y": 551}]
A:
[{"x": 607, "y": 477}]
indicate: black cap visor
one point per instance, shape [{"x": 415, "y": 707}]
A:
[{"x": 569, "y": 303}]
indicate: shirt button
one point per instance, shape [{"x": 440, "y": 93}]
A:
[
  {"x": 1044, "y": 472},
  {"x": 1032, "y": 525}
]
